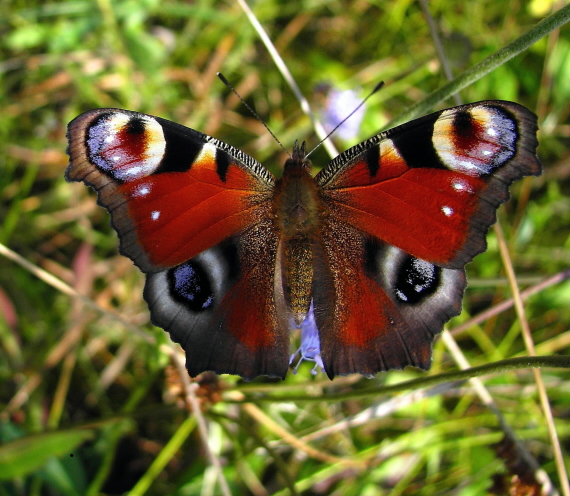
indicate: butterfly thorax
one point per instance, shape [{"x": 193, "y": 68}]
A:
[{"x": 297, "y": 202}]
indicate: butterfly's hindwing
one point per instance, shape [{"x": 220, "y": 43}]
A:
[
  {"x": 385, "y": 307},
  {"x": 220, "y": 307}
]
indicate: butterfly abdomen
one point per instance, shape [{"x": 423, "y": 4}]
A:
[{"x": 297, "y": 218}]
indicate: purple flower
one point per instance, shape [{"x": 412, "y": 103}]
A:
[
  {"x": 339, "y": 105},
  {"x": 310, "y": 348}
]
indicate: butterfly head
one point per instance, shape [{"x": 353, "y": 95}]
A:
[{"x": 298, "y": 158}]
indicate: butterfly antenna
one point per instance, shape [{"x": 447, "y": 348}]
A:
[
  {"x": 376, "y": 88},
  {"x": 228, "y": 84}
]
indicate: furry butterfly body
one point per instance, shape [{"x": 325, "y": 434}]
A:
[{"x": 373, "y": 247}]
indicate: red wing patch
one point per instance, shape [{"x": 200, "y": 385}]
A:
[{"x": 177, "y": 215}]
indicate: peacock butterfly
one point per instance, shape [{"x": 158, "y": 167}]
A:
[{"x": 367, "y": 257}]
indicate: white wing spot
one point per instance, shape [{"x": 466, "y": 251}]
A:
[
  {"x": 155, "y": 215},
  {"x": 447, "y": 211},
  {"x": 134, "y": 171},
  {"x": 141, "y": 190},
  {"x": 461, "y": 186}
]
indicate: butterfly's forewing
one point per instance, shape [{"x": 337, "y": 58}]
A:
[
  {"x": 432, "y": 186},
  {"x": 172, "y": 192},
  {"x": 407, "y": 210},
  {"x": 193, "y": 213}
]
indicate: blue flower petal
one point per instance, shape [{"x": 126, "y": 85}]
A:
[
  {"x": 310, "y": 348},
  {"x": 339, "y": 105}
]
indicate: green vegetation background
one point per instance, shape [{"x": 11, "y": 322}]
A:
[{"x": 92, "y": 405}]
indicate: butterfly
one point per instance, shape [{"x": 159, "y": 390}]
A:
[{"x": 370, "y": 253}]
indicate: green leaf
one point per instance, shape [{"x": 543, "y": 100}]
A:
[
  {"x": 26, "y": 37},
  {"x": 30, "y": 453}
]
